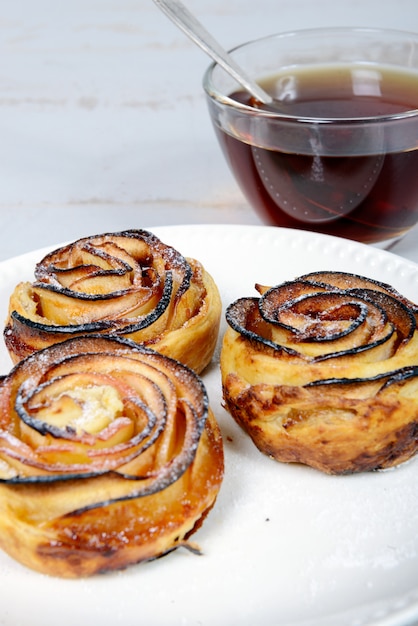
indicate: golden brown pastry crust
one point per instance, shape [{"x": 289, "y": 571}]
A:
[
  {"x": 323, "y": 371},
  {"x": 109, "y": 455},
  {"x": 128, "y": 284}
]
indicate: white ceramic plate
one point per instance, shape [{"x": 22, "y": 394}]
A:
[{"x": 285, "y": 544}]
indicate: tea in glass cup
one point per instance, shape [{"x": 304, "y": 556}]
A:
[{"x": 337, "y": 151}]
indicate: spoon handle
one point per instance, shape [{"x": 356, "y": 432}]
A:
[{"x": 182, "y": 17}]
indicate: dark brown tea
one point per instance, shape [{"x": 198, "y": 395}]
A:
[{"x": 368, "y": 198}]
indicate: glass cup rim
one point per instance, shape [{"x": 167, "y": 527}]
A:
[{"x": 224, "y": 100}]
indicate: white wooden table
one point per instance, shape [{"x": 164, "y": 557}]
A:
[{"x": 103, "y": 122}]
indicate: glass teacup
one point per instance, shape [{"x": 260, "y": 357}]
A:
[{"x": 339, "y": 154}]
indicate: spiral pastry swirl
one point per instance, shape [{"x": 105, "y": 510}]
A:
[
  {"x": 323, "y": 371},
  {"x": 109, "y": 455},
  {"x": 128, "y": 284}
]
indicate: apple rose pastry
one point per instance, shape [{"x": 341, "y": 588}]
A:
[
  {"x": 323, "y": 371},
  {"x": 109, "y": 455},
  {"x": 128, "y": 284}
]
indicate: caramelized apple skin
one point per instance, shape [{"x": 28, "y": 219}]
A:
[{"x": 323, "y": 371}]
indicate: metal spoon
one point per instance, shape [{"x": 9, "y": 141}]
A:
[{"x": 182, "y": 17}]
